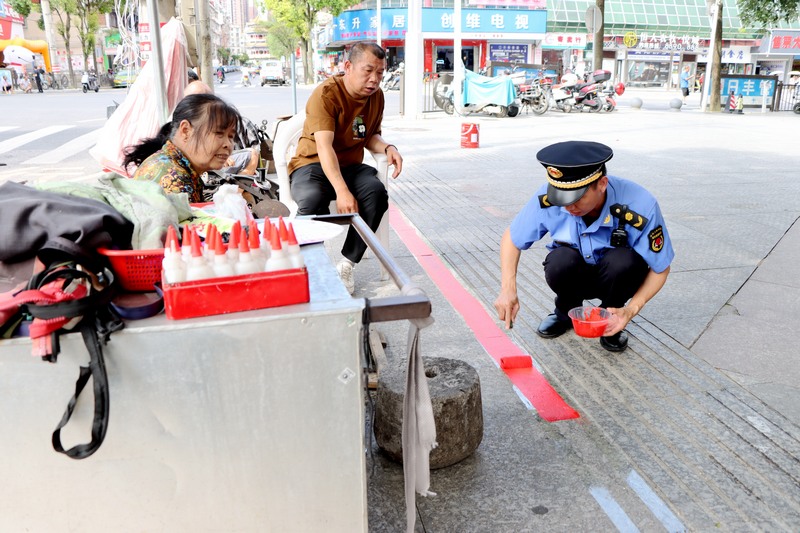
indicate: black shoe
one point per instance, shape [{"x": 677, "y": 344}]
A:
[
  {"x": 553, "y": 326},
  {"x": 615, "y": 343}
]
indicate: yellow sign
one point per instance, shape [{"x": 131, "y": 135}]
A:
[{"x": 630, "y": 39}]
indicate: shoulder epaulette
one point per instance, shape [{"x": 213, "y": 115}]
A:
[
  {"x": 631, "y": 217},
  {"x": 543, "y": 203}
]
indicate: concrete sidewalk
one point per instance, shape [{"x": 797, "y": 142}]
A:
[{"x": 697, "y": 425}]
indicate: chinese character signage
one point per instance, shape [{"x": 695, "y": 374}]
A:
[
  {"x": 475, "y": 23},
  {"x": 753, "y": 90},
  {"x": 530, "y": 4},
  {"x": 786, "y": 42},
  {"x": 508, "y": 53},
  {"x": 565, "y": 41}
]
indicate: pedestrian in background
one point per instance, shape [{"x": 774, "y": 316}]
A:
[
  {"x": 610, "y": 242},
  {"x": 37, "y": 76},
  {"x": 685, "y": 79}
]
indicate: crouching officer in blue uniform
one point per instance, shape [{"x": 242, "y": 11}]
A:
[{"x": 609, "y": 242}]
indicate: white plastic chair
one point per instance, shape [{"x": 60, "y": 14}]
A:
[{"x": 287, "y": 135}]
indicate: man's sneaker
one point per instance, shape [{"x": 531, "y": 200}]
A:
[{"x": 345, "y": 270}]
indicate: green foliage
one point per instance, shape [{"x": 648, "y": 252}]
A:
[
  {"x": 224, "y": 55},
  {"x": 244, "y": 58},
  {"x": 24, "y": 7},
  {"x": 281, "y": 39},
  {"x": 767, "y": 13}
]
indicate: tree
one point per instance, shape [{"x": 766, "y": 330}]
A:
[
  {"x": 281, "y": 39},
  {"x": 300, "y": 16},
  {"x": 224, "y": 55},
  {"x": 64, "y": 10},
  {"x": 88, "y": 12},
  {"x": 761, "y": 14}
]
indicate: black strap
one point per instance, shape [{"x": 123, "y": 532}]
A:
[{"x": 97, "y": 371}]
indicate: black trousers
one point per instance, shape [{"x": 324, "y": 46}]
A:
[
  {"x": 614, "y": 280},
  {"x": 313, "y": 193}
]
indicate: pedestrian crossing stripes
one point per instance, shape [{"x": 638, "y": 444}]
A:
[
  {"x": 21, "y": 140},
  {"x": 7, "y": 128},
  {"x": 79, "y": 144}
]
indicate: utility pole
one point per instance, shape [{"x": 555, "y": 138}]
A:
[
  {"x": 204, "y": 42},
  {"x": 599, "y": 34},
  {"x": 716, "y": 87},
  {"x": 47, "y": 17}
]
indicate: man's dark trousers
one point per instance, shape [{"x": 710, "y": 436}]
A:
[
  {"x": 313, "y": 193},
  {"x": 614, "y": 279}
]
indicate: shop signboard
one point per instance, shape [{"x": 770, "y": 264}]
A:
[
  {"x": 564, "y": 41},
  {"x": 752, "y": 88},
  {"x": 475, "y": 23},
  {"x": 731, "y": 54},
  {"x": 508, "y": 53}
]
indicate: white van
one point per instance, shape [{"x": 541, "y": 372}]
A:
[{"x": 272, "y": 72}]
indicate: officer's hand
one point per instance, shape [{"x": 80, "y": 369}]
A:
[
  {"x": 620, "y": 316},
  {"x": 346, "y": 203},
  {"x": 394, "y": 158},
  {"x": 507, "y": 306}
]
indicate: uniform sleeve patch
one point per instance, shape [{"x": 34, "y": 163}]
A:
[
  {"x": 543, "y": 202},
  {"x": 656, "y": 238}
]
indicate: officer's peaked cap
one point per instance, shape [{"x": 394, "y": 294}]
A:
[{"x": 571, "y": 167}]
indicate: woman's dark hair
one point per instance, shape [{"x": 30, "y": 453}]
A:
[{"x": 205, "y": 112}]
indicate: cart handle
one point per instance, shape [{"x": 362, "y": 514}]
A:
[{"x": 386, "y": 309}]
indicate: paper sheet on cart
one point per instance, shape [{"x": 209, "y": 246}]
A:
[{"x": 308, "y": 231}]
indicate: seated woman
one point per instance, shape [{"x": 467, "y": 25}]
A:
[{"x": 198, "y": 139}]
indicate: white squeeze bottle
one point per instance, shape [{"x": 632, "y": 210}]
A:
[
  {"x": 221, "y": 265},
  {"x": 233, "y": 242},
  {"x": 283, "y": 232},
  {"x": 278, "y": 260},
  {"x": 295, "y": 255},
  {"x": 173, "y": 265},
  {"x": 256, "y": 251},
  {"x": 198, "y": 266},
  {"x": 186, "y": 243},
  {"x": 246, "y": 264}
]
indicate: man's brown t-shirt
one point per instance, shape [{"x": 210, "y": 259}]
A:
[{"x": 353, "y": 122}]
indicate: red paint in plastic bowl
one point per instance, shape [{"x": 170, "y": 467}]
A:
[{"x": 589, "y": 321}]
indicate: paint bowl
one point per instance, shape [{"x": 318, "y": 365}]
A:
[{"x": 589, "y": 321}]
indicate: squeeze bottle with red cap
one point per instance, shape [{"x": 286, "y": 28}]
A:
[
  {"x": 245, "y": 264},
  {"x": 295, "y": 255},
  {"x": 221, "y": 265},
  {"x": 278, "y": 260},
  {"x": 233, "y": 242},
  {"x": 254, "y": 240},
  {"x": 198, "y": 266},
  {"x": 173, "y": 265}
]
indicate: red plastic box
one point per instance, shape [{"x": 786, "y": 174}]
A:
[{"x": 218, "y": 296}]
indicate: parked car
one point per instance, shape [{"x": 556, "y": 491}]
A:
[
  {"x": 272, "y": 72},
  {"x": 123, "y": 78}
]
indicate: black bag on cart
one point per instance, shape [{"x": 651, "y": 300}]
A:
[{"x": 72, "y": 292}]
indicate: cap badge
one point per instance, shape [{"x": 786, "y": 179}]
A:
[{"x": 554, "y": 172}]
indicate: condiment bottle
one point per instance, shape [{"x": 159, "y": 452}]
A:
[
  {"x": 278, "y": 260},
  {"x": 173, "y": 265},
  {"x": 295, "y": 255},
  {"x": 222, "y": 267},
  {"x": 233, "y": 242},
  {"x": 198, "y": 266},
  {"x": 246, "y": 264},
  {"x": 254, "y": 240}
]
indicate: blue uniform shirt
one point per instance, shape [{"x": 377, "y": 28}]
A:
[{"x": 647, "y": 233}]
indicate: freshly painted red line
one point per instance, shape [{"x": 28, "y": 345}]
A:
[{"x": 529, "y": 381}]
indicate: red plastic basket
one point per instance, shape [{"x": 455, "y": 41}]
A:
[{"x": 136, "y": 270}]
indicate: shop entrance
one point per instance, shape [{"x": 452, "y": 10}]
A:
[{"x": 444, "y": 58}]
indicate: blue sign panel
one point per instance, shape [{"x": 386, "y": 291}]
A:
[
  {"x": 753, "y": 89},
  {"x": 363, "y": 23}
]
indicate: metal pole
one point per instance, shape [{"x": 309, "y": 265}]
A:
[
  {"x": 47, "y": 18},
  {"x": 155, "y": 37},
  {"x": 414, "y": 60},
  {"x": 294, "y": 83},
  {"x": 380, "y": 26},
  {"x": 204, "y": 43},
  {"x": 459, "y": 66}
]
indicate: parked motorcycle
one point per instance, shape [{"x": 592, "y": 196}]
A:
[
  {"x": 796, "y": 108},
  {"x": 481, "y": 94},
  {"x": 607, "y": 95},
  {"x": 533, "y": 94},
  {"x": 391, "y": 78},
  {"x": 570, "y": 94},
  {"x": 89, "y": 83}
]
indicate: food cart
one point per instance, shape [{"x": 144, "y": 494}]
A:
[{"x": 249, "y": 421}]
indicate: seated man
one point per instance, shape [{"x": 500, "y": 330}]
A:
[
  {"x": 343, "y": 116},
  {"x": 609, "y": 242}
]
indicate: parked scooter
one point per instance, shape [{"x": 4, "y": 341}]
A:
[
  {"x": 481, "y": 94},
  {"x": 570, "y": 94},
  {"x": 391, "y": 78},
  {"x": 534, "y": 95},
  {"x": 607, "y": 95},
  {"x": 89, "y": 82}
]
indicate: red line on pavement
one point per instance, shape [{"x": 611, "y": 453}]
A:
[{"x": 533, "y": 385}]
